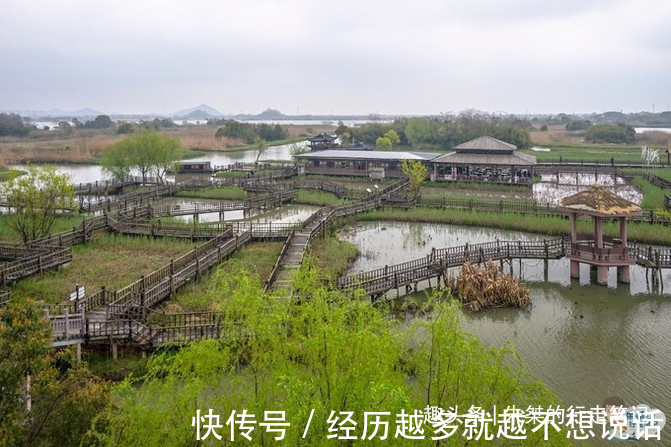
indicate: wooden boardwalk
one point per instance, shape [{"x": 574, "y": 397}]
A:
[
  {"x": 378, "y": 281},
  {"x": 116, "y": 202},
  {"x": 265, "y": 201},
  {"x": 296, "y": 245},
  {"x": 126, "y": 315}
]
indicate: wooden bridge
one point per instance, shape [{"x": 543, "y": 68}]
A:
[
  {"x": 296, "y": 244},
  {"x": 115, "y": 202},
  {"x": 379, "y": 281},
  {"x": 107, "y": 186},
  {"x": 265, "y": 201}
]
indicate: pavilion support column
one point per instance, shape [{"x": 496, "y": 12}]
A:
[
  {"x": 598, "y": 232},
  {"x": 575, "y": 269},
  {"x": 623, "y": 274},
  {"x": 602, "y": 275},
  {"x": 575, "y": 265},
  {"x": 623, "y": 271}
]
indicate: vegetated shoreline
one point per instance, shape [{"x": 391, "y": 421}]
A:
[{"x": 546, "y": 225}]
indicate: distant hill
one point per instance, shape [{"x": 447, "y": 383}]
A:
[
  {"x": 202, "y": 111},
  {"x": 81, "y": 113}
]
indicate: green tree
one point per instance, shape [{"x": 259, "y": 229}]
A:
[
  {"x": 65, "y": 128},
  {"x": 12, "y": 124},
  {"x": 392, "y": 136},
  {"x": 318, "y": 351},
  {"x": 147, "y": 151},
  {"x": 416, "y": 171},
  {"x": 606, "y": 133},
  {"x": 44, "y": 399},
  {"x": 36, "y": 198},
  {"x": 24, "y": 338},
  {"x": 125, "y": 128},
  {"x": 261, "y": 148},
  {"x": 383, "y": 144}
]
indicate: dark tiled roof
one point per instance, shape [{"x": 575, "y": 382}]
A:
[
  {"x": 322, "y": 137},
  {"x": 485, "y": 143}
]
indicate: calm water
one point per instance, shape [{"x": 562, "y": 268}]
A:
[
  {"x": 91, "y": 173},
  {"x": 290, "y": 213},
  {"x": 552, "y": 188},
  {"x": 585, "y": 341}
]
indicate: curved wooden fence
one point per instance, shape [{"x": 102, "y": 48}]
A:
[{"x": 380, "y": 280}]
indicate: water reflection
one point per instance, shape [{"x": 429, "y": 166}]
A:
[
  {"x": 585, "y": 341},
  {"x": 553, "y": 187},
  {"x": 290, "y": 213}
]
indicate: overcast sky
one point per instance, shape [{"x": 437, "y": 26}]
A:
[{"x": 347, "y": 56}]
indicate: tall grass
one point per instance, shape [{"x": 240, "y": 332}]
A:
[
  {"x": 256, "y": 260},
  {"x": 113, "y": 261},
  {"x": 62, "y": 223},
  {"x": 653, "y": 196},
  {"x": 317, "y": 198}
]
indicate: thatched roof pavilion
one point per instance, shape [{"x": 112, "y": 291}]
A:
[{"x": 600, "y": 203}]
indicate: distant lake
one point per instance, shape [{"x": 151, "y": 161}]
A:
[{"x": 653, "y": 129}]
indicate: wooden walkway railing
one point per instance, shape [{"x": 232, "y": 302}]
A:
[
  {"x": 380, "y": 280},
  {"x": 103, "y": 186},
  {"x": 267, "y": 200},
  {"x": 659, "y": 181},
  {"x": 23, "y": 268},
  {"x": 161, "y": 283},
  {"x": 111, "y": 203},
  {"x": 158, "y": 229}
]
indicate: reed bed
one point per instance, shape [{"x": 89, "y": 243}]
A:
[{"x": 484, "y": 287}]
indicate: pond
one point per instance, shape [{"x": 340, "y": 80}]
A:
[
  {"x": 289, "y": 213},
  {"x": 585, "y": 341},
  {"x": 81, "y": 173},
  {"x": 554, "y": 187}
]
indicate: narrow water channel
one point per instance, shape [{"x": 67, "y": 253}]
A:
[{"x": 585, "y": 341}]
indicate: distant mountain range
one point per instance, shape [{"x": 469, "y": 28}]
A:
[
  {"x": 202, "y": 111},
  {"x": 205, "y": 112}
]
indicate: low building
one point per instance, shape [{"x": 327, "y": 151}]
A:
[
  {"x": 484, "y": 159},
  {"x": 194, "y": 167},
  {"x": 322, "y": 142},
  {"x": 373, "y": 164}
]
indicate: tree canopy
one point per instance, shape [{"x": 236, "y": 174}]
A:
[
  {"x": 249, "y": 133},
  {"x": 147, "y": 151},
  {"x": 12, "y": 124},
  {"x": 36, "y": 198},
  {"x": 416, "y": 171}
]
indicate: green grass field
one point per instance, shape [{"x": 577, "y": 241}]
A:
[
  {"x": 589, "y": 153},
  {"x": 113, "y": 261}
]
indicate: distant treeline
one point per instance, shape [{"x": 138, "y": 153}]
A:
[
  {"x": 12, "y": 124},
  {"x": 249, "y": 133},
  {"x": 640, "y": 119},
  {"x": 443, "y": 132}
]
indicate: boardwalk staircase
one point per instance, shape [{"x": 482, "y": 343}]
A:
[{"x": 296, "y": 245}]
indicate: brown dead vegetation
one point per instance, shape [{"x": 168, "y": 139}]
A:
[
  {"x": 487, "y": 287},
  {"x": 82, "y": 145}
]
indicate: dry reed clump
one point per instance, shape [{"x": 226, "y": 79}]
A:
[{"x": 487, "y": 287}]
